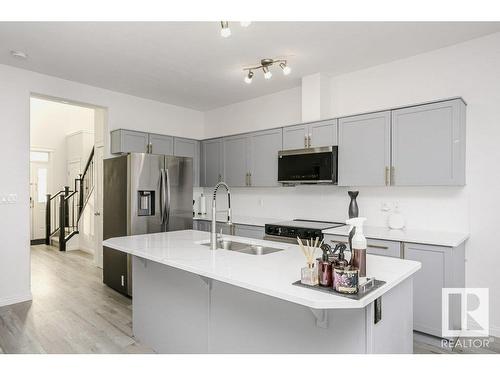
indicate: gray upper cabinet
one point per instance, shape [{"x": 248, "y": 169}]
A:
[
  {"x": 364, "y": 150},
  {"x": 161, "y": 144},
  {"x": 314, "y": 134},
  {"x": 236, "y": 160},
  {"x": 323, "y": 133},
  {"x": 295, "y": 137},
  {"x": 124, "y": 141},
  {"x": 428, "y": 144},
  {"x": 189, "y": 148},
  {"x": 211, "y": 162},
  {"x": 264, "y": 147}
]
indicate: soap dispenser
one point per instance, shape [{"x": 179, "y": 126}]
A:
[
  {"x": 325, "y": 267},
  {"x": 358, "y": 250}
]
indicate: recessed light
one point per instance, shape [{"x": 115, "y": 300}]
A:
[{"x": 19, "y": 54}]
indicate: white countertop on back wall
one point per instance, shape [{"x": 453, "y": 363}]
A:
[{"x": 439, "y": 238}]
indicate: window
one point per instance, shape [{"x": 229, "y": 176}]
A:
[
  {"x": 42, "y": 185},
  {"x": 42, "y": 156}
]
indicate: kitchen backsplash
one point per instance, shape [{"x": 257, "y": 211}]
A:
[{"x": 429, "y": 208}]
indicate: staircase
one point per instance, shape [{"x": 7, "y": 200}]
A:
[{"x": 65, "y": 208}]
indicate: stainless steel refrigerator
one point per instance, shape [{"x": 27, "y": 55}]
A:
[{"x": 143, "y": 193}]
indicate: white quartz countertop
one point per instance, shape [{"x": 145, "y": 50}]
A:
[
  {"x": 239, "y": 219},
  {"x": 271, "y": 274},
  {"x": 407, "y": 235}
]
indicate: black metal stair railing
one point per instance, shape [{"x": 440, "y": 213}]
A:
[{"x": 65, "y": 208}]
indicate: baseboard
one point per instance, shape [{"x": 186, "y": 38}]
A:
[{"x": 17, "y": 299}]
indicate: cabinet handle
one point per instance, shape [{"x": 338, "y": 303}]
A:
[
  {"x": 249, "y": 179},
  {"x": 368, "y": 245},
  {"x": 305, "y": 141},
  {"x": 309, "y": 140},
  {"x": 387, "y": 177},
  {"x": 246, "y": 179},
  {"x": 393, "y": 175}
]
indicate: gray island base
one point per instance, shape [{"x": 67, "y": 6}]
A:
[{"x": 188, "y": 299}]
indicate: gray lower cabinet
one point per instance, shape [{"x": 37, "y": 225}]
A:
[
  {"x": 242, "y": 230},
  {"x": 125, "y": 141},
  {"x": 314, "y": 134},
  {"x": 428, "y": 144},
  {"x": 365, "y": 150},
  {"x": 374, "y": 246},
  {"x": 264, "y": 148},
  {"x": 189, "y": 148},
  {"x": 442, "y": 267},
  {"x": 211, "y": 162},
  {"x": 249, "y": 231},
  {"x": 160, "y": 144},
  {"x": 236, "y": 160}
]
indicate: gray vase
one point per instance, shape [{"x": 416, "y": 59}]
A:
[{"x": 353, "y": 212}]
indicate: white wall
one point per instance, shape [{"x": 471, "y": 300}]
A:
[
  {"x": 124, "y": 111},
  {"x": 264, "y": 112},
  {"x": 470, "y": 70},
  {"x": 50, "y": 123}
]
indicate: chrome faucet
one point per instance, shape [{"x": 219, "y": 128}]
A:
[{"x": 213, "y": 234}]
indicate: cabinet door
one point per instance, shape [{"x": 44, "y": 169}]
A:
[
  {"x": 428, "y": 144},
  {"x": 249, "y": 231},
  {"x": 124, "y": 141},
  {"x": 364, "y": 150},
  {"x": 323, "y": 133},
  {"x": 295, "y": 137},
  {"x": 189, "y": 148},
  {"x": 161, "y": 144},
  {"x": 236, "y": 166},
  {"x": 264, "y": 147},
  {"x": 427, "y": 285},
  {"x": 211, "y": 171}
]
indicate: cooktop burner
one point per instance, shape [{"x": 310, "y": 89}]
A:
[{"x": 300, "y": 228}]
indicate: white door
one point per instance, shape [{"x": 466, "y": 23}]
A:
[
  {"x": 98, "y": 170},
  {"x": 39, "y": 188}
]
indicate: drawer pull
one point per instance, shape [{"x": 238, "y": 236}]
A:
[{"x": 369, "y": 245}]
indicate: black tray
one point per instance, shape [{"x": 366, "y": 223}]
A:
[{"x": 363, "y": 292}]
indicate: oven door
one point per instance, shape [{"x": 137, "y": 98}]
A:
[{"x": 309, "y": 165}]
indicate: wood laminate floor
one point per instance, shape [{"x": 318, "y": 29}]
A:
[{"x": 74, "y": 312}]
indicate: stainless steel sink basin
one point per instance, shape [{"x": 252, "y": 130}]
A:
[{"x": 243, "y": 247}]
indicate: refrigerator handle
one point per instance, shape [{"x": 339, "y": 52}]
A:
[
  {"x": 167, "y": 203},
  {"x": 162, "y": 196}
]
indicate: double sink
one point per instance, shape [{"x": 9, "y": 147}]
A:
[{"x": 243, "y": 247}]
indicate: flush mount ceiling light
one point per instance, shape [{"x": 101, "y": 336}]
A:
[
  {"x": 19, "y": 54},
  {"x": 225, "y": 31},
  {"x": 265, "y": 64}
]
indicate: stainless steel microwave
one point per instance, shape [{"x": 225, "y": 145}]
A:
[{"x": 316, "y": 165}]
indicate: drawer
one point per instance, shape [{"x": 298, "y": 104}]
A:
[{"x": 374, "y": 246}]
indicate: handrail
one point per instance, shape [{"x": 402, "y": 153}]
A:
[
  {"x": 89, "y": 160},
  {"x": 67, "y": 197}
]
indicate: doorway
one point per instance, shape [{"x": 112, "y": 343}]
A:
[{"x": 40, "y": 174}]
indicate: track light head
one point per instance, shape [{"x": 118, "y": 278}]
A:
[
  {"x": 267, "y": 72},
  {"x": 248, "y": 77},
  {"x": 286, "y": 69},
  {"x": 225, "y": 31}
]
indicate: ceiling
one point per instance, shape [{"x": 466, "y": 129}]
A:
[{"x": 191, "y": 65}]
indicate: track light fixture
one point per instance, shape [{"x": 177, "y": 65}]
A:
[{"x": 265, "y": 64}]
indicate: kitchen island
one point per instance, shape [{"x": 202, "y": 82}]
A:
[{"x": 189, "y": 299}]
